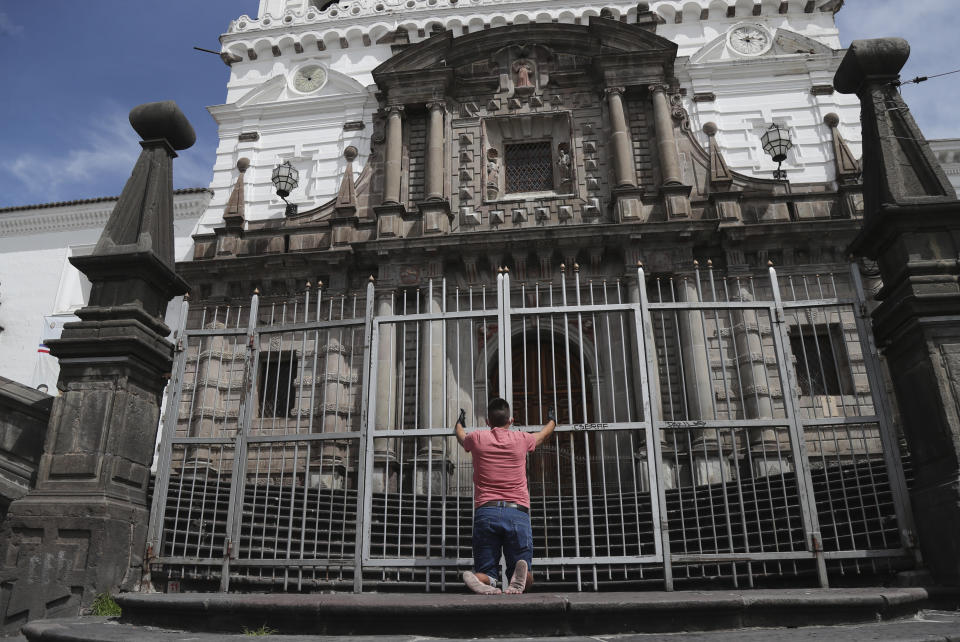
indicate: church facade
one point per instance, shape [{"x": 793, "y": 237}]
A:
[{"x": 635, "y": 214}]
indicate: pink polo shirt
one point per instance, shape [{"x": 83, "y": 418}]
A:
[{"x": 500, "y": 464}]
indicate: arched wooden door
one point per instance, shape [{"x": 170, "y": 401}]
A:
[{"x": 545, "y": 374}]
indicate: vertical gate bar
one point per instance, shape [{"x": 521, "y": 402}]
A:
[
  {"x": 506, "y": 335},
  {"x": 429, "y": 343},
  {"x": 648, "y": 351},
  {"x": 573, "y": 458},
  {"x": 881, "y": 407},
  {"x": 556, "y": 451},
  {"x": 459, "y": 380},
  {"x": 361, "y": 546},
  {"x": 808, "y": 506},
  {"x": 446, "y": 423},
  {"x": 170, "y": 419},
  {"x": 501, "y": 384},
  {"x": 244, "y": 416},
  {"x": 586, "y": 437},
  {"x": 602, "y": 450}
]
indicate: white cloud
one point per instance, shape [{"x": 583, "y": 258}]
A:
[
  {"x": 8, "y": 27},
  {"x": 108, "y": 151}
]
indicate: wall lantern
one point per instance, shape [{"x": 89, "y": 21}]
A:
[
  {"x": 776, "y": 143},
  {"x": 285, "y": 178}
]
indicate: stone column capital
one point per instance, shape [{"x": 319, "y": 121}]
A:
[
  {"x": 437, "y": 105},
  {"x": 608, "y": 91},
  {"x": 661, "y": 88},
  {"x": 394, "y": 109}
]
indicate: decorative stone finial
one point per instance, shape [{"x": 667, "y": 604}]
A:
[
  {"x": 710, "y": 129},
  {"x": 831, "y": 120},
  {"x": 899, "y": 168},
  {"x": 234, "y": 213},
  {"x": 163, "y": 121},
  {"x": 876, "y": 59}
]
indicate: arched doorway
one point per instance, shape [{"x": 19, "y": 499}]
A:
[{"x": 546, "y": 374}]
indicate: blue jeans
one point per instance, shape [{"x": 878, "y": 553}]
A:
[{"x": 499, "y": 529}]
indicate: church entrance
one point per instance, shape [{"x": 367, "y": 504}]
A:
[{"x": 313, "y": 441}]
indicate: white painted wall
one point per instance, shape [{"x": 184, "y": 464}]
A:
[
  {"x": 39, "y": 286},
  {"x": 308, "y": 129}
]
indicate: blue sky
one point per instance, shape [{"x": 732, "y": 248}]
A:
[{"x": 71, "y": 71}]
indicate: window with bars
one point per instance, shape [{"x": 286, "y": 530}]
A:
[
  {"x": 821, "y": 361},
  {"x": 529, "y": 167},
  {"x": 276, "y": 384}
]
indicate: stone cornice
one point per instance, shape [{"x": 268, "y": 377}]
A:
[
  {"x": 302, "y": 29},
  {"x": 74, "y": 215}
]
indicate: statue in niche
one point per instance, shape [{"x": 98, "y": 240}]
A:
[
  {"x": 523, "y": 68},
  {"x": 563, "y": 163},
  {"x": 493, "y": 173}
]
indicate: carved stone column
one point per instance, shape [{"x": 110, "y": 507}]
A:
[
  {"x": 912, "y": 228},
  {"x": 709, "y": 467},
  {"x": 624, "y": 171},
  {"x": 386, "y": 468},
  {"x": 394, "y": 156},
  {"x": 434, "y": 187},
  {"x": 676, "y": 195},
  {"x": 626, "y": 194},
  {"x": 82, "y": 530},
  {"x": 435, "y": 210}
]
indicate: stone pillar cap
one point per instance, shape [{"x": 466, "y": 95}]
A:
[
  {"x": 163, "y": 120},
  {"x": 879, "y": 58}
]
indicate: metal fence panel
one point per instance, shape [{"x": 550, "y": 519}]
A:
[{"x": 711, "y": 427}]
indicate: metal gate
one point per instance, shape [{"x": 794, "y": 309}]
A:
[{"x": 710, "y": 428}]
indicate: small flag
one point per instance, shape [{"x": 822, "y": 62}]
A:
[{"x": 43, "y": 348}]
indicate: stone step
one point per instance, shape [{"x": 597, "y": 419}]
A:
[{"x": 719, "y": 615}]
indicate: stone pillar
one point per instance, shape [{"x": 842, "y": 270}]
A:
[
  {"x": 626, "y": 194},
  {"x": 82, "y": 530},
  {"x": 620, "y": 139},
  {"x": 435, "y": 210},
  {"x": 434, "y": 186},
  {"x": 754, "y": 391},
  {"x": 386, "y": 468},
  {"x": 433, "y": 467},
  {"x": 699, "y": 388},
  {"x": 394, "y": 156},
  {"x": 912, "y": 229},
  {"x": 676, "y": 195},
  {"x": 666, "y": 143}
]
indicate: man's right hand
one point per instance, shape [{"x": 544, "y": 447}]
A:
[
  {"x": 551, "y": 414},
  {"x": 459, "y": 428}
]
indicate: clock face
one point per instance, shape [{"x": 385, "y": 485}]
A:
[
  {"x": 309, "y": 78},
  {"x": 749, "y": 39}
]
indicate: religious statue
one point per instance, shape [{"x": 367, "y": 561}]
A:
[
  {"x": 563, "y": 163},
  {"x": 523, "y": 68},
  {"x": 493, "y": 173}
]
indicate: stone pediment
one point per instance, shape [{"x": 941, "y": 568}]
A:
[
  {"x": 278, "y": 88},
  {"x": 785, "y": 42},
  {"x": 600, "y": 37}
]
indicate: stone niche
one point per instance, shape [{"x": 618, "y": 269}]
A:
[{"x": 527, "y": 156}]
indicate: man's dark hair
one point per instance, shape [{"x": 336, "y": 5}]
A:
[{"x": 498, "y": 412}]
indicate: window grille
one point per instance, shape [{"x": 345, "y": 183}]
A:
[
  {"x": 529, "y": 167},
  {"x": 276, "y": 389},
  {"x": 820, "y": 355}
]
